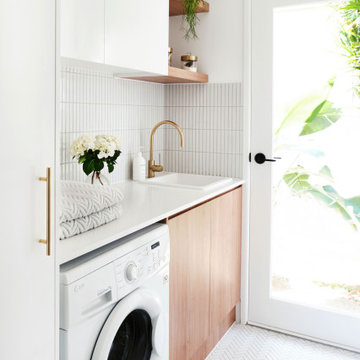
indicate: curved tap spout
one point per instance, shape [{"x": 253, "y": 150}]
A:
[{"x": 152, "y": 168}]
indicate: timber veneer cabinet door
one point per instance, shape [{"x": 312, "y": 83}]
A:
[
  {"x": 225, "y": 260},
  {"x": 190, "y": 283},
  {"x": 204, "y": 275}
]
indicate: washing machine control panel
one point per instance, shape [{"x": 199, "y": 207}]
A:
[
  {"x": 131, "y": 272},
  {"x": 139, "y": 265}
]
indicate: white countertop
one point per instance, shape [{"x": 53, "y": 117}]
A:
[{"x": 143, "y": 205}]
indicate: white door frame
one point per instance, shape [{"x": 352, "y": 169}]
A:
[{"x": 246, "y": 103}]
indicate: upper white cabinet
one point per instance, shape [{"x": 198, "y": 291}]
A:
[
  {"x": 136, "y": 34},
  {"x": 130, "y": 35},
  {"x": 83, "y": 29}
]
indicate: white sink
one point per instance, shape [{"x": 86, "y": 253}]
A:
[{"x": 190, "y": 181}]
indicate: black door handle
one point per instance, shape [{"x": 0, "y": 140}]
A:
[{"x": 260, "y": 158}]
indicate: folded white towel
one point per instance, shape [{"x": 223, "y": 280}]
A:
[
  {"x": 89, "y": 222},
  {"x": 79, "y": 199}
]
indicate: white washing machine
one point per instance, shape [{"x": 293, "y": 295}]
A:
[{"x": 115, "y": 300}]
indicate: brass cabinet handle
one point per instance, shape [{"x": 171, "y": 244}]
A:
[{"x": 47, "y": 242}]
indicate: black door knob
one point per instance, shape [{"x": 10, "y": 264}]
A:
[{"x": 260, "y": 158}]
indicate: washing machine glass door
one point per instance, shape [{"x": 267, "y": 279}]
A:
[{"x": 134, "y": 329}]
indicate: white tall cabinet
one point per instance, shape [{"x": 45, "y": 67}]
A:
[
  {"x": 27, "y": 138},
  {"x": 120, "y": 33}
]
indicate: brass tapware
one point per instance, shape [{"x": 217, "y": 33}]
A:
[
  {"x": 47, "y": 242},
  {"x": 152, "y": 168}
]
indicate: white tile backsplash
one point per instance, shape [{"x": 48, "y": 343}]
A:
[
  {"x": 210, "y": 116},
  {"x": 94, "y": 102}
]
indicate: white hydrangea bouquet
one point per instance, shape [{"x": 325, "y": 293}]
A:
[{"x": 93, "y": 152}]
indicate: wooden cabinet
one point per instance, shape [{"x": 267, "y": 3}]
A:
[
  {"x": 27, "y": 113},
  {"x": 190, "y": 236},
  {"x": 205, "y": 275},
  {"x": 83, "y": 29},
  {"x": 131, "y": 35},
  {"x": 225, "y": 262},
  {"x": 137, "y": 34}
]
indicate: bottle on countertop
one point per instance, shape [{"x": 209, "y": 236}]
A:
[{"x": 139, "y": 167}]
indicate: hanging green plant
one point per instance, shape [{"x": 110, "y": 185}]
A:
[{"x": 190, "y": 18}]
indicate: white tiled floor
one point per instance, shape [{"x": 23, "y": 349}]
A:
[{"x": 252, "y": 343}]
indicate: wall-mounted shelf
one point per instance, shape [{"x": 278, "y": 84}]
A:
[
  {"x": 176, "y": 7},
  {"x": 175, "y": 76}
]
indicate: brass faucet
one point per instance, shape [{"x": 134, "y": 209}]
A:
[{"x": 152, "y": 168}]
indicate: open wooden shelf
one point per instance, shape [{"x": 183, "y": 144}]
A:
[
  {"x": 176, "y": 7},
  {"x": 175, "y": 76}
]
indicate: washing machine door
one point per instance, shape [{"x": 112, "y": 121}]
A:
[{"x": 134, "y": 330}]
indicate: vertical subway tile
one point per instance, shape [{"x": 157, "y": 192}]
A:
[{"x": 210, "y": 115}]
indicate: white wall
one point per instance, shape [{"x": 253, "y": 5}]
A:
[{"x": 220, "y": 42}]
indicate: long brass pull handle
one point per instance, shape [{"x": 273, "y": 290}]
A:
[{"x": 47, "y": 242}]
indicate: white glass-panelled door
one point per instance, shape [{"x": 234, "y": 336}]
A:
[{"x": 305, "y": 169}]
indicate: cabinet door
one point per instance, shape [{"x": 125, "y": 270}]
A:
[
  {"x": 190, "y": 284},
  {"x": 136, "y": 34},
  {"x": 82, "y": 29},
  {"x": 225, "y": 262},
  {"x": 27, "y": 113}
]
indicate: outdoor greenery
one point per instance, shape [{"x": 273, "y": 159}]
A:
[
  {"x": 353, "y": 291},
  {"x": 311, "y": 115},
  {"x": 302, "y": 182},
  {"x": 314, "y": 114},
  {"x": 350, "y": 34}
]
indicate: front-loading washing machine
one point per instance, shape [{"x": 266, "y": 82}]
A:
[{"x": 115, "y": 300}]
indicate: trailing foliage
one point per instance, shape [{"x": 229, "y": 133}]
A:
[{"x": 191, "y": 18}]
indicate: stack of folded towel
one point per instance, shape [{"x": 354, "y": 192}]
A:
[{"x": 85, "y": 207}]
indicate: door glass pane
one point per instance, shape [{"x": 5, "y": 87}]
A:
[{"x": 316, "y": 185}]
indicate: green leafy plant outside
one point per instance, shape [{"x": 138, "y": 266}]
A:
[
  {"x": 318, "y": 185},
  {"x": 350, "y": 34},
  {"x": 302, "y": 182},
  {"x": 316, "y": 113}
]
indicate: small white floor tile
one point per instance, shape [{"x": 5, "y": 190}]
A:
[{"x": 252, "y": 343}]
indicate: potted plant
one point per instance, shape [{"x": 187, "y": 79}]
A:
[
  {"x": 190, "y": 18},
  {"x": 93, "y": 152}
]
